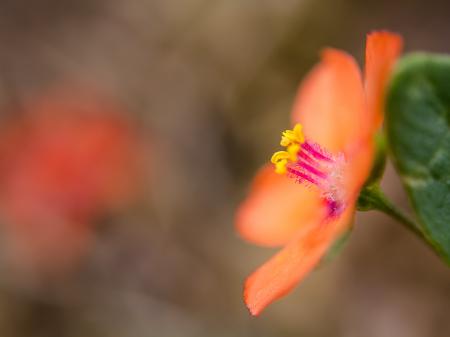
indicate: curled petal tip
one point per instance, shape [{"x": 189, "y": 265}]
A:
[
  {"x": 384, "y": 42},
  {"x": 253, "y": 311},
  {"x": 382, "y": 50},
  {"x": 383, "y": 33},
  {"x": 253, "y": 308}
]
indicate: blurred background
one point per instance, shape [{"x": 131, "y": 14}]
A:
[{"x": 130, "y": 132}]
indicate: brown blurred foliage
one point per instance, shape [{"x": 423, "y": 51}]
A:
[
  {"x": 66, "y": 159},
  {"x": 209, "y": 84}
]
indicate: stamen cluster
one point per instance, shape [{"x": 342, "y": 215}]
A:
[{"x": 308, "y": 163}]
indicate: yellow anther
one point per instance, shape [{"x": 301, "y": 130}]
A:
[
  {"x": 293, "y": 151},
  {"x": 280, "y": 159},
  {"x": 294, "y": 136},
  {"x": 279, "y": 155},
  {"x": 280, "y": 167},
  {"x": 292, "y": 140}
]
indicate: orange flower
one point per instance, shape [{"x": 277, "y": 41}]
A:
[
  {"x": 67, "y": 159},
  {"x": 329, "y": 153}
]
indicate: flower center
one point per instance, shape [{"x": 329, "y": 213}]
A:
[{"x": 309, "y": 163}]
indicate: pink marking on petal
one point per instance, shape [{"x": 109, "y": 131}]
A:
[
  {"x": 335, "y": 208},
  {"x": 311, "y": 169},
  {"x": 301, "y": 176},
  {"x": 303, "y": 155},
  {"x": 316, "y": 152}
]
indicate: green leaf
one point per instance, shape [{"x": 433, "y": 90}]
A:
[
  {"x": 369, "y": 198},
  {"x": 418, "y": 131},
  {"x": 379, "y": 163}
]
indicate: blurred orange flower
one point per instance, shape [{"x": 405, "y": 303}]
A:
[
  {"x": 329, "y": 153},
  {"x": 66, "y": 159}
]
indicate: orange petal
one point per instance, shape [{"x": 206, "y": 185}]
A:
[
  {"x": 382, "y": 50},
  {"x": 359, "y": 165},
  {"x": 276, "y": 208},
  {"x": 330, "y": 102},
  {"x": 286, "y": 269}
]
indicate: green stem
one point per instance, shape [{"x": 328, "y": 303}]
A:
[{"x": 373, "y": 198}]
